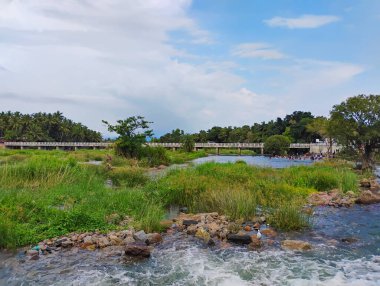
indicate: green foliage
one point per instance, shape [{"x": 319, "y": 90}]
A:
[
  {"x": 356, "y": 122},
  {"x": 294, "y": 126},
  {"x": 277, "y": 145},
  {"x": 188, "y": 143},
  {"x": 133, "y": 133},
  {"x": 154, "y": 156},
  {"x": 128, "y": 176},
  {"x": 180, "y": 157},
  {"x": 15, "y": 126}
]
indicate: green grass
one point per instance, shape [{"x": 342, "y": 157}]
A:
[
  {"x": 239, "y": 190},
  {"x": 180, "y": 156},
  {"x": 231, "y": 151},
  {"x": 45, "y": 194}
]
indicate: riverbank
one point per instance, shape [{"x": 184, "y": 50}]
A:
[{"x": 48, "y": 194}]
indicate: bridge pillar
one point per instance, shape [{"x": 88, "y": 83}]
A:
[
  {"x": 217, "y": 150},
  {"x": 239, "y": 150},
  {"x": 39, "y": 147},
  {"x": 195, "y": 149},
  {"x": 93, "y": 148},
  {"x": 56, "y": 147},
  {"x": 262, "y": 150},
  {"x": 75, "y": 148},
  {"x": 173, "y": 148},
  {"x": 22, "y": 147}
]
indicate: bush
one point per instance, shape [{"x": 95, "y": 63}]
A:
[
  {"x": 277, "y": 145},
  {"x": 128, "y": 176},
  {"x": 188, "y": 143},
  {"x": 154, "y": 156}
]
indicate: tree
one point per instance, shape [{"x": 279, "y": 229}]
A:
[
  {"x": 356, "y": 123},
  {"x": 323, "y": 127},
  {"x": 188, "y": 143},
  {"x": 133, "y": 133},
  {"x": 277, "y": 145}
]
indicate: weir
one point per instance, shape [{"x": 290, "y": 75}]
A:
[{"x": 311, "y": 147}]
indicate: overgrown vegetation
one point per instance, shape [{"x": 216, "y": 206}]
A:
[{"x": 50, "y": 193}]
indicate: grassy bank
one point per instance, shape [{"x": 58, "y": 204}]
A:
[{"x": 49, "y": 193}]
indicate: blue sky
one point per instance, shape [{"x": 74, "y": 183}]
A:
[{"x": 186, "y": 64}]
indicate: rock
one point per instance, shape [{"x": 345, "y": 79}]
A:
[
  {"x": 88, "y": 240},
  {"x": 154, "y": 238},
  {"x": 32, "y": 252},
  {"x": 91, "y": 247},
  {"x": 351, "y": 194},
  {"x": 239, "y": 238},
  {"x": 365, "y": 183},
  {"x": 192, "y": 229},
  {"x": 161, "y": 167},
  {"x": 187, "y": 222},
  {"x": 213, "y": 228},
  {"x": 128, "y": 240},
  {"x": 255, "y": 244},
  {"x": 166, "y": 223},
  {"x": 103, "y": 242},
  {"x": 137, "y": 249},
  {"x": 247, "y": 228},
  {"x": 67, "y": 243},
  {"x": 211, "y": 242},
  {"x": 58, "y": 242},
  {"x": 223, "y": 233},
  {"x": 115, "y": 240},
  {"x": 269, "y": 232},
  {"x": 256, "y": 226},
  {"x": 262, "y": 219},
  {"x": 349, "y": 239},
  {"x": 295, "y": 245},
  {"x": 367, "y": 197},
  {"x": 375, "y": 186},
  {"x": 203, "y": 234},
  {"x": 184, "y": 210},
  {"x": 140, "y": 236}
]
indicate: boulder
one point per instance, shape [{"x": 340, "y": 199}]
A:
[
  {"x": 184, "y": 210},
  {"x": 192, "y": 229},
  {"x": 153, "y": 238},
  {"x": 203, "y": 234},
  {"x": 128, "y": 240},
  {"x": 137, "y": 249},
  {"x": 115, "y": 240},
  {"x": 239, "y": 238},
  {"x": 295, "y": 245},
  {"x": 140, "y": 236},
  {"x": 247, "y": 228},
  {"x": 103, "y": 242},
  {"x": 187, "y": 222},
  {"x": 269, "y": 232},
  {"x": 367, "y": 197},
  {"x": 213, "y": 228}
]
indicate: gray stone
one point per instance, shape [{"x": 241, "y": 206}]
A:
[{"x": 140, "y": 236}]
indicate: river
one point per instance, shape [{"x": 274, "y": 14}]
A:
[{"x": 186, "y": 261}]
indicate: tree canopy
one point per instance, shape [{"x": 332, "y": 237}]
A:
[
  {"x": 132, "y": 132},
  {"x": 277, "y": 145},
  {"x": 293, "y": 126},
  {"x": 38, "y": 127},
  {"x": 356, "y": 123}
]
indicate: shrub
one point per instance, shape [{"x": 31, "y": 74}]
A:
[
  {"x": 277, "y": 145},
  {"x": 128, "y": 176}
]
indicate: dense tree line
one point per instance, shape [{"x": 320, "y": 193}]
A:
[
  {"x": 293, "y": 126},
  {"x": 41, "y": 127}
]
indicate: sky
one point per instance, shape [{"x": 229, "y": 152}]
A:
[{"x": 186, "y": 64}]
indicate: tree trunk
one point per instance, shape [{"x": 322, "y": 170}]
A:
[{"x": 367, "y": 158}]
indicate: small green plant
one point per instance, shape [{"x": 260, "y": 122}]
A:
[{"x": 188, "y": 143}]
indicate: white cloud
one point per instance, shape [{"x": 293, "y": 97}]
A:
[
  {"x": 302, "y": 22},
  {"x": 257, "y": 50}
]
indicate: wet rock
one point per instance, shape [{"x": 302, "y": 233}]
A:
[
  {"x": 239, "y": 238},
  {"x": 255, "y": 243},
  {"x": 33, "y": 254},
  {"x": 256, "y": 226},
  {"x": 140, "y": 236},
  {"x": 137, "y": 249},
  {"x": 115, "y": 240},
  {"x": 103, "y": 242},
  {"x": 184, "y": 210},
  {"x": 269, "y": 232},
  {"x": 368, "y": 197},
  {"x": 247, "y": 228},
  {"x": 203, "y": 234},
  {"x": 128, "y": 240},
  {"x": 295, "y": 245},
  {"x": 349, "y": 239},
  {"x": 192, "y": 229},
  {"x": 153, "y": 238},
  {"x": 67, "y": 243},
  {"x": 187, "y": 222},
  {"x": 262, "y": 219}
]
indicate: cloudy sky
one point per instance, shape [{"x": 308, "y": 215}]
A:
[{"x": 187, "y": 64}]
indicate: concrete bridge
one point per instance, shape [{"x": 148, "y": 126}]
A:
[{"x": 311, "y": 147}]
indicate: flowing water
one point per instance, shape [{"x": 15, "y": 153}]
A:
[{"x": 181, "y": 260}]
